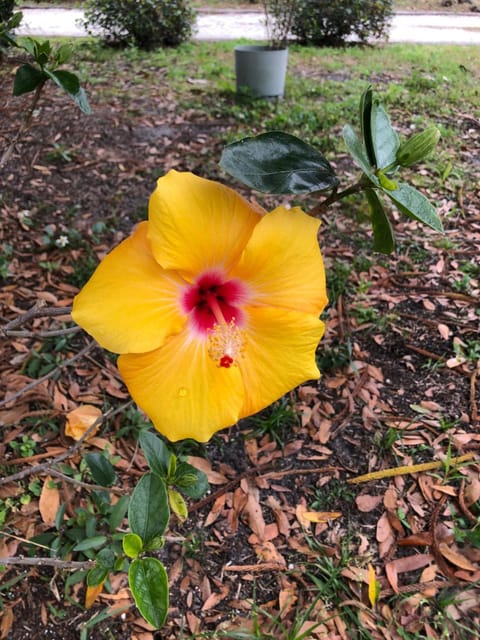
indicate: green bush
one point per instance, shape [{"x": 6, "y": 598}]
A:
[
  {"x": 327, "y": 23},
  {"x": 6, "y": 10},
  {"x": 148, "y": 24}
]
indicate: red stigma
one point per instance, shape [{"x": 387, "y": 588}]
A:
[{"x": 226, "y": 361}]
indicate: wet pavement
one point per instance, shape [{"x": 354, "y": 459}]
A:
[{"x": 233, "y": 25}]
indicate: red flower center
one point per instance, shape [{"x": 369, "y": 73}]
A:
[
  {"x": 213, "y": 304},
  {"x": 214, "y": 300}
]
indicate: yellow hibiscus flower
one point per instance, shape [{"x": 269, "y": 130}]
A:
[{"x": 213, "y": 305}]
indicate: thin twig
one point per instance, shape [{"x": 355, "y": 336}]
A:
[
  {"x": 48, "y": 562},
  {"x": 48, "y": 375},
  {"x": 41, "y": 468},
  {"x": 37, "y": 311},
  {"x": 80, "y": 483},
  {"x": 408, "y": 469},
  {"x": 23, "y": 333}
]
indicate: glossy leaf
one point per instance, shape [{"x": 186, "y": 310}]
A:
[
  {"x": 358, "y": 152},
  {"x": 148, "y": 511},
  {"x": 415, "y": 205},
  {"x": 101, "y": 469},
  {"x": 149, "y": 585},
  {"x": 383, "y": 238},
  {"x": 156, "y": 453},
  {"x": 71, "y": 84},
  {"x": 366, "y": 102},
  {"x": 278, "y": 162},
  {"x": 132, "y": 545},
  {"x": 190, "y": 480},
  {"x": 27, "y": 79},
  {"x": 384, "y": 137}
]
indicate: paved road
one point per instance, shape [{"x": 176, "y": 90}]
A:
[{"x": 406, "y": 27}]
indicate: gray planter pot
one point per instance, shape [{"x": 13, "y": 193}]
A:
[{"x": 261, "y": 69}]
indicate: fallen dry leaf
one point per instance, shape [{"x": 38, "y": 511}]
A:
[
  {"x": 455, "y": 557},
  {"x": 80, "y": 420},
  {"x": 49, "y": 502}
]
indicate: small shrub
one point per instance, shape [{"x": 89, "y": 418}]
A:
[
  {"x": 327, "y": 23},
  {"x": 147, "y": 24},
  {"x": 6, "y": 10}
]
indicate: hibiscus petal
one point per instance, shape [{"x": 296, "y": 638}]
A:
[
  {"x": 185, "y": 394},
  {"x": 130, "y": 304},
  {"x": 196, "y": 224},
  {"x": 279, "y": 355},
  {"x": 282, "y": 262}
]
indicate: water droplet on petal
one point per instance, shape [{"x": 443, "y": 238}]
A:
[{"x": 182, "y": 392}]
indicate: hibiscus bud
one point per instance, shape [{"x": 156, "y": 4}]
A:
[{"x": 418, "y": 146}]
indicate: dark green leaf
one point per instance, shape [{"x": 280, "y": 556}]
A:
[
  {"x": 101, "y": 469},
  {"x": 70, "y": 83},
  {"x": 383, "y": 238},
  {"x": 106, "y": 558},
  {"x": 415, "y": 205},
  {"x": 90, "y": 543},
  {"x": 366, "y": 124},
  {"x": 358, "y": 152},
  {"x": 156, "y": 453},
  {"x": 148, "y": 511},
  {"x": 96, "y": 576},
  {"x": 118, "y": 512},
  {"x": 278, "y": 162},
  {"x": 30, "y": 46},
  {"x": 149, "y": 585},
  {"x": 67, "y": 81},
  {"x": 384, "y": 137},
  {"x": 60, "y": 515},
  {"x": 191, "y": 481},
  {"x": 27, "y": 79}
]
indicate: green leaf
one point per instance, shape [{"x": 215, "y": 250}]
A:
[
  {"x": 384, "y": 137},
  {"x": 132, "y": 545},
  {"x": 383, "y": 238},
  {"x": 63, "y": 54},
  {"x": 177, "y": 504},
  {"x": 278, "y": 162},
  {"x": 27, "y": 79},
  {"x": 101, "y": 469},
  {"x": 106, "y": 558},
  {"x": 358, "y": 152},
  {"x": 96, "y": 576},
  {"x": 366, "y": 101},
  {"x": 70, "y": 83},
  {"x": 190, "y": 480},
  {"x": 30, "y": 46},
  {"x": 149, "y": 585},
  {"x": 148, "y": 511},
  {"x": 415, "y": 205},
  {"x": 67, "y": 81},
  {"x": 90, "y": 543},
  {"x": 156, "y": 453},
  {"x": 118, "y": 512}
]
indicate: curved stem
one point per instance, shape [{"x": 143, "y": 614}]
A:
[{"x": 336, "y": 195}]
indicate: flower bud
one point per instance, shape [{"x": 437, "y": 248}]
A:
[{"x": 418, "y": 146}]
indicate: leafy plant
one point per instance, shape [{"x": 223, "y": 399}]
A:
[
  {"x": 144, "y": 23},
  {"x": 324, "y": 23},
  {"x": 277, "y": 162}
]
